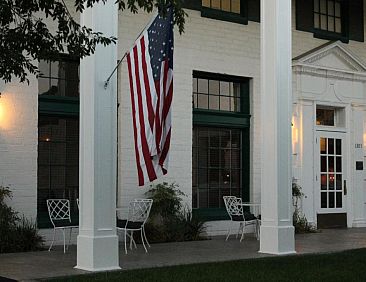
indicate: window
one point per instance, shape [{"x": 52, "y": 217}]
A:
[
  {"x": 58, "y": 162},
  {"x": 213, "y": 94},
  {"x": 330, "y": 116},
  {"x": 232, "y": 6},
  {"x": 59, "y": 77},
  {"x": 227, "y": 10},
  {"x": 327, "y": 15},
  {"x": 331, "y": 19},
  {"x": 217, "y": 168},
  {"x": 58, "y": 134},
  {"x": 220, "y": 150}
]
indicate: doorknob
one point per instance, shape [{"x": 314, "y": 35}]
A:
[{"x": 345, "y": 187}]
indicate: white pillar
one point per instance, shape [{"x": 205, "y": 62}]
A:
[
  {"x": 277, "y": 231},
  {"x": 97, "y": 243}
]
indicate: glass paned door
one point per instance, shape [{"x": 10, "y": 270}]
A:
[{"x": 331, "y": 178}]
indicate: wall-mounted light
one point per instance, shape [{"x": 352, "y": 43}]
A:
[{"x": 295, "y": 135}]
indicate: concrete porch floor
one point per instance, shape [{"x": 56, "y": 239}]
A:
[{"x": 44, "y": 264}]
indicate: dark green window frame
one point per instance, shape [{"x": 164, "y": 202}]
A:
[
  {"x": 58, "y": 106},
  {"x": 327, "y": 33},
  {"x": 225, "y": 119},
  {"x": 218, "y": 14}
]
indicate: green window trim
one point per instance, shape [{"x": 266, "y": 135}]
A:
[
  {"x": 241, "y": 18},
  {"x": 216, "y": 118},
  {"x": 56, "y": 105}
]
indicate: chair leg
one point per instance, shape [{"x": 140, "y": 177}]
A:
[
  {"x": 53, "y": 239},
  {"x": 142, "y": 239},
  {"x": 143, "y": 229},
  {"x": 126, "y": 241},
  {"x": 63, "y": 233},
  {"x": 242, "y": 234},
  {"x": 69, "y": 239},
  {"x": 131, "y": 240},
  {"x": 239, "y": 229},
  {"x": 229, "y": 231}
]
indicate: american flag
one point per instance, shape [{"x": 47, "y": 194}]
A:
[{"x": 150, "y": 69}]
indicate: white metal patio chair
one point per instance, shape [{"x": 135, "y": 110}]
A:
[
  {"x": 234, "y": 208},
  {"x": 60, "y": 216},
  {"x": 138, "y": 213}
]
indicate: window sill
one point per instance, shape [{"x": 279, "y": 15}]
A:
[
  {"x": 328, "y": 35},
  {"x": 224, "y": 16}
]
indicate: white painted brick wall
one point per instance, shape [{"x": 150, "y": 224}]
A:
[
  {"x": 18, "y": 144},
  {"x": 207, "y": 45}
]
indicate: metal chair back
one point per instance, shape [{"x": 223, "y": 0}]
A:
[
  {"x": 233, "y": 206},
  {"x": 58, "y": 209},
  {"x": 139, "y": 210}
]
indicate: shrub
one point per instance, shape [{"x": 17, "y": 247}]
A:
[
  {"x": 16, "y": 234},
  {"x": 169, "y": 221},
  {"x": 300, "y": 222}
]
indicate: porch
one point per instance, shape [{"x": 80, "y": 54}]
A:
[{"x": 44, "y": 264}]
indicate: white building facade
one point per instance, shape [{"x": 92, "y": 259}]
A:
[{"x": 217, "y": 126}]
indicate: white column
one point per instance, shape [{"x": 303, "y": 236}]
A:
[
  {"x": 277, "y": 231},
  {"x": 97, "y": 243}
]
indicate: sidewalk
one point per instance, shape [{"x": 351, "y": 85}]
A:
[{"x": 44, "y": 264}]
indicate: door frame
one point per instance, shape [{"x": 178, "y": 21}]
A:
[{"x": 345, "y": 176}]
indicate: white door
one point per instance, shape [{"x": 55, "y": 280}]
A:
[{"x": 331, "y": 179}]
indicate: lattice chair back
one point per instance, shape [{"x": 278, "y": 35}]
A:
[
  {"x": 58, "y": 210},
  {"x": 234, "y": 207},
  {"x": 139, "y": 210}
]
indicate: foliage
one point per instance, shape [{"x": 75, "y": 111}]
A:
[
  {"x": 300, "y": 222},
  {"x": 16, "y": 234},
  {"x": 167, "y": 200},
  {"x": 170, "y": 222},
  {"x": 26, "y": 35}
]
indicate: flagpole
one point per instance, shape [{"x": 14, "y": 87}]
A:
[{"x": 124, "y": 56}]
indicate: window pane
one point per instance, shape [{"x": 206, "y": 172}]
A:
[
  {"x": 323, "y": 182},
  {"x": 323, "y": 200},
  {"x": 206, "y": 3},
  {"x": 331, "y": 7},
  {"x": 203, "y": 86},
  {"x": 316, "y": 5},
  {"x": 194, "y": 198},
  {"x": 224, "y": 88},
  {"x": 339, "y": 182},
  {"x": 195, "y": 100},
  {"x": 235, "y": 158},
  {"x": 323, "y": 22},
  {"x": 235, "y": 178},
  {"x": 203, "y": 198},
  {"x": 339, "y": 146},
  {"x": 43, "y": 85},
  {"x": 316, "y": 21},
  {"x": 338, "y": 25},
  {"x": 325, "y": 117},
  {"x": 339, "y": 164},
  {"x": 225, "y": 103},
  {"x": 214, "y": 198},
  {"x": 331, "y": 24},
  {"x": 330, "y": 146},
  {"x": 214, "y": 87},
  {"x": 331, "y": 181},
  {"x": 215, "y": 4},
  {"x": 323, "y": 164},
  {"x": 214, "y": 103},
  {"x": 330, "y": 164},
  {"x": 235, "y": 6},
  {"x": 331, "y": 200},
  {"x": 323, "y": 6},
  {"x": 337, "y": 8},
  {"x": 339, "y": 200},
  {"x": 214, "y": 178},
  {"x": 225, "y": 4},
  {"x": 214, "y": 160},
  {"x": 202, "y": 101},
  {"x": 202, "y": 178},
  {"x": 323, "y": 145}
]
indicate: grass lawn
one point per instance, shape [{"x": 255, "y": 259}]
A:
[{"x": 343, "y": 266}]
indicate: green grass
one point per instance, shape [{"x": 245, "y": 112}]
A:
[{"x": 343, "y": 266}]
